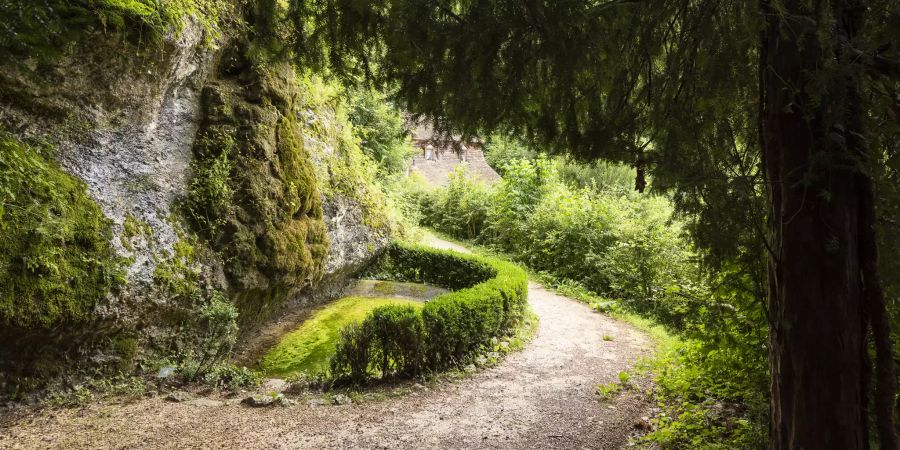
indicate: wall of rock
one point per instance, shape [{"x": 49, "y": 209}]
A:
[{"x": 139, "y": 128}]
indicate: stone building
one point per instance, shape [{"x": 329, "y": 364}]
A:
[{"x": 439, "y": 156}]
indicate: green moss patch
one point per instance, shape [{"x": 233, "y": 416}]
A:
[
  {"x": 254, "y": 197},
  {"x": 44, "y": 28},
  {"x": 309, "y": 348},
  {"x": 56, "y": 259}
]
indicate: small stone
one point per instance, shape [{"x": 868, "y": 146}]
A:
[
  {"x": 259, "y": 401},
  {"x": 285, "y": 402},
  {"x": 418, "y": 386},
  {"x": 481, "y": 360},
  {"x": 493, "y": 355},
  {"x": 165, "y": 372},
  {"x": 315, "y": 402},
  {"x": 276, "y": 385},
  {"x": 504, "y": 345},
  {"x": 341, "y": 399},
  {"x": 178, "y": 397},
  {"x": 469, "y": 369},
  {"x": 643, "y": 424}
]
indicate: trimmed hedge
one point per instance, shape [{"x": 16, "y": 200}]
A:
[
  {"x": 419, "y": 264},
  {"x": 489, "y": 301}
]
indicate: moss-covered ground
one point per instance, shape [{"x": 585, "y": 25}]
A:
[{"x": 309, "y": 348}]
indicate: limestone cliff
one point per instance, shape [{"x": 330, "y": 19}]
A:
[{"x": 217, "y": 180}]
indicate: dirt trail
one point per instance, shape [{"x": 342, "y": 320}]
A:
[{"x": 540, "y": 397}]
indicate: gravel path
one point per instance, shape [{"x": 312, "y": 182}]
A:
[{"x": 540, "y": 397}]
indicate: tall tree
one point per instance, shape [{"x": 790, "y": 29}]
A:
[
  {"x": 676, "y": 87},
  {"x": 824, "y": 284}
]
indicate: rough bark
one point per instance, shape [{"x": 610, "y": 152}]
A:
[
  {"x": 816, "y": 305},
  {"x": 849, "y": 24},
  {"x": 825, "y": 288}
]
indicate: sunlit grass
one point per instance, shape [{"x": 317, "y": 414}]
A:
[{"x": 309, "y": 348}]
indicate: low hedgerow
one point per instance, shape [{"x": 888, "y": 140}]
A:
[
  {"x": 489, "y": 302},
  {"x": 418, "y": 264}
]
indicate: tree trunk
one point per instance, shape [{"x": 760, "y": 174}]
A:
[{"x": 817, "y": 329}]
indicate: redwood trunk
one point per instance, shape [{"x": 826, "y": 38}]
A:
[{"x": 817, "y": 324}]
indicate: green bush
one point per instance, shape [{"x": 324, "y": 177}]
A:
[
  {"x": 231, "y": 377},
  {"x": 460, "y": 209},
  {"x": 353, "y": 354},
  {"x": 381, "y": 130},
  {"x": 489, "y": 301},
  {"x": 417, "y": 264},
  {"x": 398, "y": 340}
]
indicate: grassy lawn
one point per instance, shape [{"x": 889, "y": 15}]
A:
[{"x": 308, "y": 348}]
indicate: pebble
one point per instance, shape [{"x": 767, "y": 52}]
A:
[
  {"x": 178, "y": 396},
  {"x": 258, "y": 401},
  {"x": 341, "y": 399}
]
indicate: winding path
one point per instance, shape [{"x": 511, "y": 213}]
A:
[{"x": 540, "y": 397}]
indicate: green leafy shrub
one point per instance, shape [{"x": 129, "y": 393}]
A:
[
  {"x": 460, "y": 209},
  {"x": 231, "y": 377},
  {"x": 489, "y": 301},
  {"x": 218, "y": 333},
  {"x": 399, "y": 338},
  {"x": 353, "y": 353},
  {"x": 381, "y": 130},
  {"x": 56, "y": 258},
  {"x": 418, "y": 264},
  {"x": 391, "y": 340}
]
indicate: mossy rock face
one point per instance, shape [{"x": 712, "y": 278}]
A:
[
  {"x": 254, "y": 194},
  {"x": 56, "y": 258}
]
